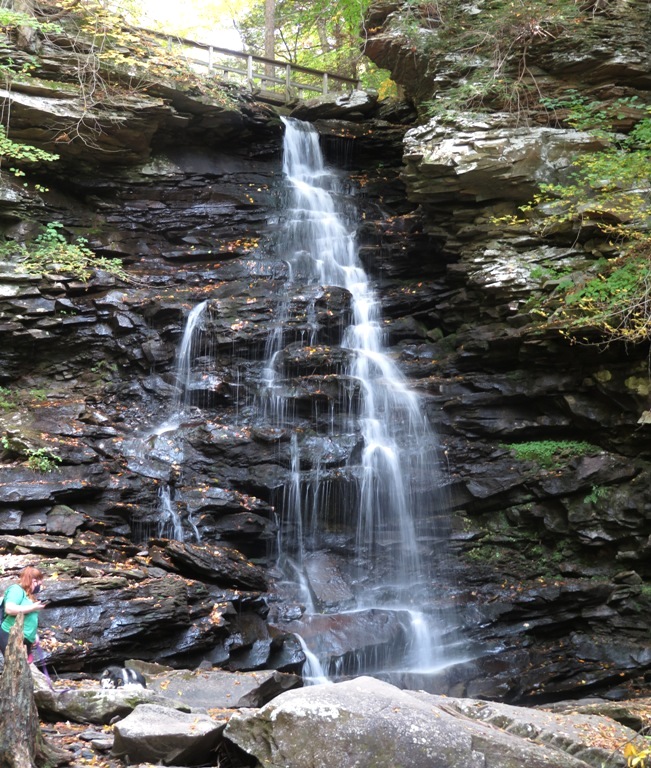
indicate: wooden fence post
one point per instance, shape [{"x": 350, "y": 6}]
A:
[
  {"x": 288, "y": 82},
  {"x": 249, "y": 71}
]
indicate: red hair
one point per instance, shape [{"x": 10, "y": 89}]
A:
[{"x": 27, "y": 576}]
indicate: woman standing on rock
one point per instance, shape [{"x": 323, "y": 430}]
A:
[{"x": 19, "y": 598}]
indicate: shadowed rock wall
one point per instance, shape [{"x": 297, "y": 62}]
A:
[{"x": 549, "y": 563}]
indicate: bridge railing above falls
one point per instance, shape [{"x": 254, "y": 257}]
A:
[{"x": 269, "y": 80}]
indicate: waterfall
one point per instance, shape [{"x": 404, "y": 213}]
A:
[
  {"x": 312, "y": 671},
  {"x": 351, "y": 464},
  {"x": 370, "y": 460},
  {"x": 160, "y": 452},
  {"x": 169, "y": 521},
  {"x": 184, "y": 358}
]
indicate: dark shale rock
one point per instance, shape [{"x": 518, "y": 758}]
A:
[
  {"x": 548, "y": 564},
  {"x": 213, "y": 564}
]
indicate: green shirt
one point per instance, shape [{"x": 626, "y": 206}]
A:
[{"x": 17, "y": 595}]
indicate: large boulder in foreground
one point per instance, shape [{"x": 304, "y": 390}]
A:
[
  {"x": 159, "y": 734},
  {"x": 371, "y": 724}
]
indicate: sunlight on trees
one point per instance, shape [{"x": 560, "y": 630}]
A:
[
  {"x": 211, "y": 21},
  {"x": 314, "y": 34}
]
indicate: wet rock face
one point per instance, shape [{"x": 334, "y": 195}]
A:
[
  {"x": 549, "y": 562},
  {"x": 87, "y": 372},
  {"x": 94, "y": 481},
  {"x": 561, "y": 545},
  {"x": 607, "y": 47}
]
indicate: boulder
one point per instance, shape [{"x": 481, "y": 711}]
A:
[
  {"x": 183, "y": 690},
  {"x": 161, "y": 735},
  {"x": 216, "y": 689},
  {"x": 486, "y": 158},
  {"x": 371, "y": 724},
  {"x": 90, "y": 703}
]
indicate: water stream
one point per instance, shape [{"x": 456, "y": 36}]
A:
[
  {"x": 159, "y": 453},
  {"x": 359, "y": 507},
  {"x": 360, "y": 551}
]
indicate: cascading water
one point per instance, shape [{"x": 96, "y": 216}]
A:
[
  {"x": 186, "y": 353},
  {"x": 355, "y": 483},
  {"x": 160, "y": 452},
  {"x": 366, "y": 461}
]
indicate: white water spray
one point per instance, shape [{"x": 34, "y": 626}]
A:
[
  {"x": 312, "y": 671},
  {"x": 390, "y": 480},
  {"x": 184, "y": 357},
  {"x": 164, "y": 444}
]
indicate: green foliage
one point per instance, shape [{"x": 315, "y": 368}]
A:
[
  {"x": 586, "y": 114},
  {"x": 42, "y": 460},
  {"x": 51, "y": 252},
  {"x": 597, "y": 492},
  {"x": 117, "y": 58},
  {"x": 10, "y": 19},
  {"x": 104, "y": 369},
  {"x": 22, "y": 153},
  {"x": 11, "y": 399},
  {"x": 114, "y": 60},
  {"x": 551, "y": 454},
  {"x": 6, "y": 402},
  {"x": 609, "y": 191},
  {"x": 494, "y": 44},
  {"x": 11, "y": 68},
  {"x": 481, "y": 90},
  {"x": 548, "y": 272},
  {"x": 318, "y": 34},
  {"x": 615, "y": 300},
  {"x": 38, "y": 459},
  {"x": 486, "y": 553}
]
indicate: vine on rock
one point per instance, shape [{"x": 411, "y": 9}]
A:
[{"x": 485, "y": 49}]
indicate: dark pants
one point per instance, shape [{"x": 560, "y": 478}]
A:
[{"x": 4, "y": 639}]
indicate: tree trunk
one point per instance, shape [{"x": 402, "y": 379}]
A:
[
  {"x": 27, "y": 36},
  {"x": 322, "y": 32},
  {"x": 21, "y": 742},
  {"x": 269, "y": 34}
]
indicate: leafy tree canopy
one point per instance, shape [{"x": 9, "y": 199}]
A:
[
  {"x": 313, "y": 33},
  {"x": 317, "y": 34}
]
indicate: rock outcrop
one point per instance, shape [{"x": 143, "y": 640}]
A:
[
  {"x": 200, "y": 717},
  {"x": 547, "y": 564},
  {"x": 482, "y": 355},
  {"x": 366, "y": 722}
]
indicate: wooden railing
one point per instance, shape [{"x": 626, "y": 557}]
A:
[{"x": 273, "y": 81}]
